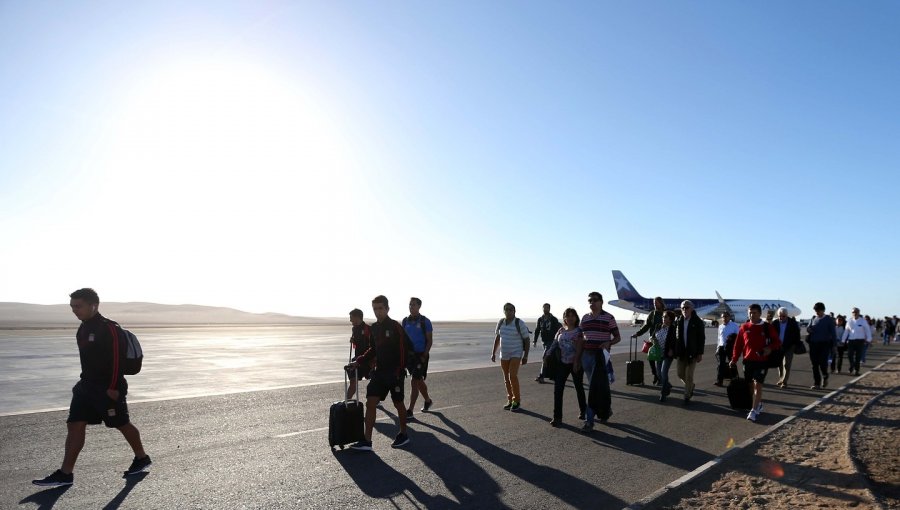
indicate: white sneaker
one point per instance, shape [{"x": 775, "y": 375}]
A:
[
  {"x": 759, "y": 408},
  {"x": 752, "y": 415}
]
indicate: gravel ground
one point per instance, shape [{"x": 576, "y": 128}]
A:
[{"x": 844, "y": 453}]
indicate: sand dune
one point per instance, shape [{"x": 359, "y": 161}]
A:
[{"x": 26, "y": 315}]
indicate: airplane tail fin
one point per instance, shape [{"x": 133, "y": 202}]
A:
[
  {"x": 624, "y": 289},
  {"x": 723, "y": 306}
]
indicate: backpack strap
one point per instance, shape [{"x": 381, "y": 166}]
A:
[
  {"x": 519, "y": 329},
  {"x": 766, "y": 333},
  {"x": 420, "y": 322},
  {"x": 405, "y": 345},
  {"x": 116, "y": 369}
]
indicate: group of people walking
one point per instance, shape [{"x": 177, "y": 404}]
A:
[
  {"x": 761, "y": 344},
  {"x": 679, "y": 339},
  {"x": 674, "y": 338},
  {"x": 384, "y": 354},
  {"x": 577, "y": 347}
]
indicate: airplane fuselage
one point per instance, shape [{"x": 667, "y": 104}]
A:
[{"x": 710, "y": 308}]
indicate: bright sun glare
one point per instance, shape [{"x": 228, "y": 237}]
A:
[
  {"x": 226, "y": 126},
  {"x": 218, "y": 151}
]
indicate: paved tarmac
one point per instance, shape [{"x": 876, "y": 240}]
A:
[{"x": 268, "y": 449}]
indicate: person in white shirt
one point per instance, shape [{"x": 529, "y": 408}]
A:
[
  {"x": 727, "y": 332},
  {"x": 512, "y": 337},
  {"x": 856, "y": 335}
]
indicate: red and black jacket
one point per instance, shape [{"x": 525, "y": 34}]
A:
[
  {"x": 101, "y": 348},
  {"x": 390, "y": 348}
]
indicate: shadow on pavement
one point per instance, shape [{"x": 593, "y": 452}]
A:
[
  {"x": 570, "y": 489},
  {"x": 469, "y": 483},
  {"x": 379, "y": 480},
  {"x": 652, "y": 446},
  {"x": 130, "y": 482},
  {"x": 47, "y": 498}
]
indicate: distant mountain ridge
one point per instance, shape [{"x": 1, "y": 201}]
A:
[{"x": 27, "y": 315}]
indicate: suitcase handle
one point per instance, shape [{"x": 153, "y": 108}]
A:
[
  {"x": 347, "y": 384},
  {"x": 355, "y": 376}
]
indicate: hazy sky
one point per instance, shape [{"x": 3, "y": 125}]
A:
[{"x": 303, "y": 157}]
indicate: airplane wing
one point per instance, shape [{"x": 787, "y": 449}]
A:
[{"x": 627, "y": 305}]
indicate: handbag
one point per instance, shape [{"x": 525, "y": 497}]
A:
[
  {"x": 800, "y": 348},
  {"x": 775, "y": 359},
  {"x": 646, "y": 348},
  {"x": 654, "y": 353},
  {"x": 776, "y": 356}
]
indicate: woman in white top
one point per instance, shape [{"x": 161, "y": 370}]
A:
[
  {"x": 563, "y": 351},
  {"x": 512, "y": 338},
  {"x": 837, "y": 357},
  {"x": 665, "y": 339}
]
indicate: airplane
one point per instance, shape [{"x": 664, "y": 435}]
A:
[{"x": 711, "y": 309}]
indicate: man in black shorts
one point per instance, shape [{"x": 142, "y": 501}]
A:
[
  {"x": 755, "y": 341},
  {"x": 100, "y": 394},
  {"x": 390, "y": 346},
  {"x": 419, "y": 330}
]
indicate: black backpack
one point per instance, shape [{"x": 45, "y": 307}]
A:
[{"x": 134, "y": 355}]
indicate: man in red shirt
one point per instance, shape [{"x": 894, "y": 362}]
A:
[{"x": 755, "y": 340}]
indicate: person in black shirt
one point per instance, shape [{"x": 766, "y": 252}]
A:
[
  {"x": 389, "y": 348},
  {"x": 360, "y": 336},
  {"x": 547, "y": 327},
  {"x": 100, "y": 394}
]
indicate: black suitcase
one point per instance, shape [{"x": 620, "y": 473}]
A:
[
  {"x": 345, "y": 420},
  {"x": 634, "y": 368},
  {"x": 740, "y": 395}
]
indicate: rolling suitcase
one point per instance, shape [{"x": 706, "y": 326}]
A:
[
  {"x": 634, "y": 368},
  {"x": 740, "y": 395},
  {"x": 345, "y": 419}
]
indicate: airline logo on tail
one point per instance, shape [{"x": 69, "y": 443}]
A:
[{"x": 624, "y": 289}]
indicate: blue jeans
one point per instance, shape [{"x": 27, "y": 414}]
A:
[{"x": 664, "y": 366}]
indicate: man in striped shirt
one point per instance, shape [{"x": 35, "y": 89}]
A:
[{"x": 600, "y": 333}]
